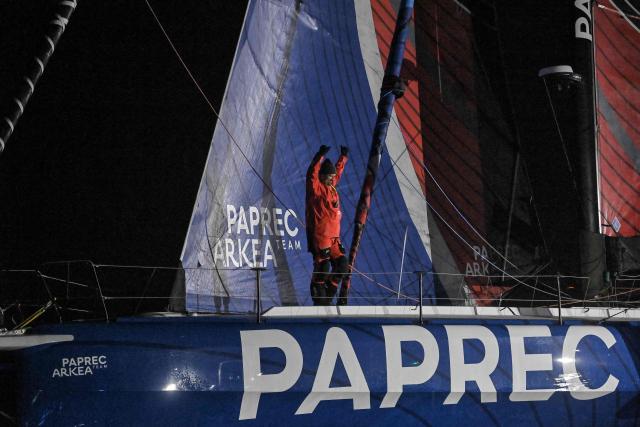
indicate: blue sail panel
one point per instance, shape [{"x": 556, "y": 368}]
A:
[{"x": 299, "y": 80}]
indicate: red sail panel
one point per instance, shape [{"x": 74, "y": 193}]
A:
[
  {"x": 408, "y": 108},
  {"x": 617, "y": 41},
  {"x": 438, "y": 119}
]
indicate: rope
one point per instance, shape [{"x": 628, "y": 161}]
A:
[
  {"x": 215, "y": 112},
  {"x": 226, "y": 129},
  {"x": 618, "y": 12},
  {"x": 562, "y": 141},
  {"x": 566, "y": 301},
  {"x": 270, "y": 189},
  {"x": 463, "y": 240},
  {"x": 457, "y": 210}
]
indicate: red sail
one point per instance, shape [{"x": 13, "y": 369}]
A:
[
  {"x": 617, "y": 41},
  {"x": 440, "y": 118}
]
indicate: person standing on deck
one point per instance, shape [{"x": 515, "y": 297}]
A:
[{"x": 323, "y": 217}]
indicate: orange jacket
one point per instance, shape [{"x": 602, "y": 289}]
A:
[{"x": 322, "y": 204}]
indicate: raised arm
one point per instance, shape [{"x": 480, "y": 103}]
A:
[
  {"x": 313, "y": 181},
  {"x": 342, "y": 160}
]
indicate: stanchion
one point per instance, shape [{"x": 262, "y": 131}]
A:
[
  {"x": 420, "y": 273},
  {"x": 559, "y": 301},
  {"x": 258, "y": 271}
]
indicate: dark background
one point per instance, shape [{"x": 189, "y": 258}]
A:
[{"x": 106, "y": 161}]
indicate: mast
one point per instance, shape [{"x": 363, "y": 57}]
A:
[
  {"x": 592, "y": 255},
  {"x": 57, "y": 25},
  {"x": 571, "y": 93},
  {"x": 388, "y": 97}
]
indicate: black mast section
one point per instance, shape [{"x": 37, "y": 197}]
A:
[{"x": 57, "y": 25}]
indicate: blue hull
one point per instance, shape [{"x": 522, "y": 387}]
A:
[{"x": 233, "y": 371}]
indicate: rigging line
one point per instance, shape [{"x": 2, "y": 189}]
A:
[
  {"x": 623, "y": 311},
  {"x": 351, "y": 203},
  {"x": 512, "y": 118},
  {"x": 392, "y": 291},
  {"x": 211, "y": 253},
  {"x": 462, "y": 239},
  {"x": 460, "y": 214},
  {"x": 609, "y": 297},
  {"x": 618, "y": 32},
  {"x": 446, "y": 196},
  {"x": 463, "y": 7},
  {"x": 224, "y": 126},
  {"x": 562, "y": 142},
  {"x": 619, "y": 12},
  {"x": 632, "y": 6}
]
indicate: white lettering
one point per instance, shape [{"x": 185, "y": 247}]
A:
[
  {"x": 290, "y": 231},
  {"x": 277, "y": 222},
  {"x": 337, "y": 344},
  {"x": 582, "y": 25},
  {"x": 577, "y": 388},
  {"x": 255, "y": 251},
  {"x": 255, "y": 382},
  {"x": 266, "y": 221},
  {"x": 232, "y": 216},
  {"x": 583, "y": 30},
  {"x": 243, "y": 253},
  {"x": 242, "y": 222},
  {"x": 522, "y": 363},
  {"x": 469, "y": 270},
  {"x": 476, "y": 269},
  {"x": 477, "y": 372},
  {"x": 79, "y": 366},
  {"x": 229, "y": 249},
  {"x": 254, "y": 217},
  {"x": 398, "y": 375},
  {"x": 584, "y": 6},
  {"x": 268, "y": 254}
]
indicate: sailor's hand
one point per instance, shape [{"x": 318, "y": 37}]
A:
[
  {"x": 344, "y": 150},
  {"x": 324, "y": 149}
]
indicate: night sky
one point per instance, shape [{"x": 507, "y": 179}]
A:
[{"x": 105, "y": 163}]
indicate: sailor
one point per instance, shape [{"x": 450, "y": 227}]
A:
[{"x": 323, "y": 225}]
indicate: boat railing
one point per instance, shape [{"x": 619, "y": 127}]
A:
[{"x": 81, "y": 290}]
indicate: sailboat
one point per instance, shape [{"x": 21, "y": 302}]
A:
[{"x": 495, "y": 276}]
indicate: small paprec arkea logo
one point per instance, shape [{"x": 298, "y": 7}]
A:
[{"x": 79, "y": 366}]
